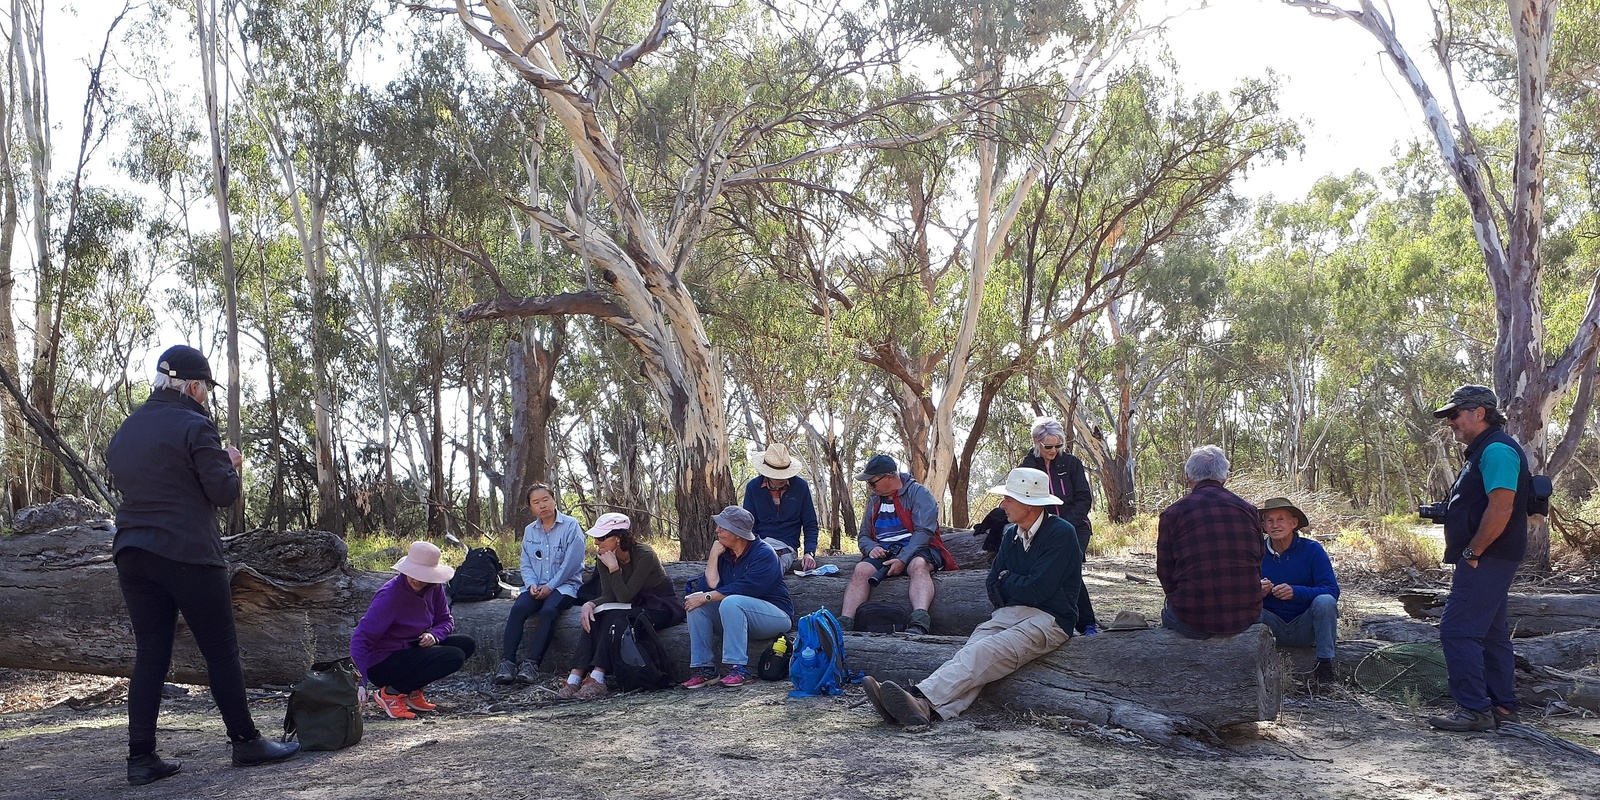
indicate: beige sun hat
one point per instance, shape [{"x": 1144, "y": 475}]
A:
[
  {"x": 422, "y": 562},
  {"x": 776, "y": 464},
  {"x": 1028, "y": 486}
]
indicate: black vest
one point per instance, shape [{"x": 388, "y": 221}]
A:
[{"x": 1469, "y": 500}]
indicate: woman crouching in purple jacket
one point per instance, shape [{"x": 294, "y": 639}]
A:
[{"x": 404, "y": 642}]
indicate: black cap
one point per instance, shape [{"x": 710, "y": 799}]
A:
[
  {"x": 879, "y": 465},
  {"x": 1468, "y": 396},
  {"x": 186, "y": 364}
]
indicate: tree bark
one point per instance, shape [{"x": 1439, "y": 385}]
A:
[{"x": 531, "y": 369}]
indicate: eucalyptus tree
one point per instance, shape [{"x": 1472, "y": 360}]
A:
[{"x": 1508, "y": 212}]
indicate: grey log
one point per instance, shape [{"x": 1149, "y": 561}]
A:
[{"x": 1529, "y": 614}]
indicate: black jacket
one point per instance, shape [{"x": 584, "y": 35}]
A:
[
  {"x": 1070, "y": 482},
  {"x": 168, "y": 462},
  {"x": 1469, "y": 500}
]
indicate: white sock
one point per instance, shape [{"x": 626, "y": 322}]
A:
[
  {"x": 599, "y": 677},
  {"x": 574, "y": 680}
]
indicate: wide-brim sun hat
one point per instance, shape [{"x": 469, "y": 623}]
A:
[
  {"x": 1285, "y": 503},
  {"x": 1028, "y": 486},
  {"x": 422, "y": 562},
  {"x": 776, "y": 464},
  {"x": 609, "y": 523},
  {"x": 738, "y": 521}
]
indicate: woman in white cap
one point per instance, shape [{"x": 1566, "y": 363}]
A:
[
  {"x": 632, "y": 582},
  {"x": 404, "y": 641},
  {"x": 747, "y": 598}
]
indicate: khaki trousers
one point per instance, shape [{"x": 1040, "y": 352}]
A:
[{"x": 1009, "y": 639}]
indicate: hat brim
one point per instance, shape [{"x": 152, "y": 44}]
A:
[
  {"x": 1128, "y": 621},
  {"x": 439, "y": 573},
  {"x": 766, "y": 470},
  {"x": 867, "y": 476},
  {"x": 1305, "y": 521},
  {"x": 1047, "y": 500},
  {"x": 602, "y": 531},
  {"x": 1445, "y": 409}
]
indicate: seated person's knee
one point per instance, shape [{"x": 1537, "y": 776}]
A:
[{"x": 920, "y": 566}]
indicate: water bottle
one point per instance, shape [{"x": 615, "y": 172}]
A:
[
  {"x": 781, "y": 645},
  {"x": 809, "y": 657}
]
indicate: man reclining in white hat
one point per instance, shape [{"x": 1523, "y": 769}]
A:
[{"x": 1033, "y": 585}]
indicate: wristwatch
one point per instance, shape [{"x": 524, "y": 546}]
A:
[{"x": 1468, "y": 555}]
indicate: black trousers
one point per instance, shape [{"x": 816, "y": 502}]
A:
[
  {"x": 594, "y": 646},
  {"x": 547, "y": 610},
  {"x": 1085, "y": 608},
  {"x": 155, "y": 590},
  {"x": 408, "y": 670}
]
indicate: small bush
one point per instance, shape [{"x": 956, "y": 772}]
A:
[
  {"x": 1137, "y": 535},
  {"x": 1398, "y": 542}
]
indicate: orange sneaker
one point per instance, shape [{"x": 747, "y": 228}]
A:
[
  {"x": 417, "y": 702},
  {"x": 394, "y": 705}
]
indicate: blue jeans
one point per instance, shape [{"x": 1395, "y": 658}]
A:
[
  {"x": 547, "y": 610},
  {"x": 737, "y": 617},
  {"x": 1318, "y": 625},
  {"x": 1476, "y": 638}
]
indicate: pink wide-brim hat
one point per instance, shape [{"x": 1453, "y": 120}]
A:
[{"x": 422, "y": 562}]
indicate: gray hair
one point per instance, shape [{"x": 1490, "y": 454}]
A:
[
  {"x": 1206, "y": 463},
  {"x": 1047, "y": 426},
  {"x": 165, "y": 381}
]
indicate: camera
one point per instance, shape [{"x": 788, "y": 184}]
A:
[{"x": 1433, "y": 512}]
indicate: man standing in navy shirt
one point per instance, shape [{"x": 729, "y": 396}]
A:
[{"x": 780, "y": 500}]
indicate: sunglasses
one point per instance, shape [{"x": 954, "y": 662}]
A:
[
  {"x": 1051, "y": 446},
  {"x": 1456, "y": 412},
  {"x": 872, "y": 483}
]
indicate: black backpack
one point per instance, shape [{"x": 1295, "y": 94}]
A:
[
  {"x": 637, "y": 660},
  {"x": 883, "y": 616},
  {"x": 478, "y": 577},
  {"x": 324, "y": 709}
]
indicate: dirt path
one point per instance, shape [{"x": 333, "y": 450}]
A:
[{"x": 757, "y": 743}]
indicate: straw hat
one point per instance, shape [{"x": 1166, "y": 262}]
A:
[
  {"x": 422, "y": 562},
  {"x": 776, "y": 464}
]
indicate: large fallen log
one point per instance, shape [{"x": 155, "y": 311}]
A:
[{"x": 1529, "y": 614}]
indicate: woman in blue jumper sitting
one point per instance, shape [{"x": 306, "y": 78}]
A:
[
  {"x": 1299, "y": 592},
  {"x": 552, "y": 571},
  {"x": 404, "y": 642},
  {"x": 745, "y": 597}
]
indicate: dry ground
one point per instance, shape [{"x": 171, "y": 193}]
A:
[{"x": 757, "y": 743}]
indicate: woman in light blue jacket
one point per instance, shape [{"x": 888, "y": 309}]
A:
[{"x": 552, "y": 570}]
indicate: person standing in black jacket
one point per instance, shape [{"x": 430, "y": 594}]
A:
[
  {"x": 168, "y": 462},
  {"x": 1070, "y": 482}
]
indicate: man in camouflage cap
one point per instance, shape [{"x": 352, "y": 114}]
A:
[{"x": 1485, "y": 536}]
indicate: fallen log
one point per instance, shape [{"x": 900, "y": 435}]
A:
[{"x": 1529, "y": 614}]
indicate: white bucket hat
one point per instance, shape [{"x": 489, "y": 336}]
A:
[
  {"x": 422, "y": 562},
  {"x": 776, "y": 464},
  {"x": 1028, "y": 486}
]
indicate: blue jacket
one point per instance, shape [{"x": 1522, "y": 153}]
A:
[
  {"x": 756, "y": 575},
  {"x": 1306, "y": 567},
  {"x": 787, "y": 521},
  {"x": 554, "y": 559}
]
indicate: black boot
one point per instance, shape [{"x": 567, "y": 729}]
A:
[
  {"x": 149, "y": 768},
  {"x": 262, "y": 750}
]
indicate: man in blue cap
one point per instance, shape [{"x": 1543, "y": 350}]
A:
[
  {"x": 168, "y": 462},
  {"x": 899, "y": 536},
  {"x": 1485, "y": 536}
]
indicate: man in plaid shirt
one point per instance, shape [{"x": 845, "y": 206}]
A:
[{"x": 1208, "y": 554}]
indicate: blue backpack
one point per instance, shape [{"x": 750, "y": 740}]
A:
[{"x": 816, "y": 663}]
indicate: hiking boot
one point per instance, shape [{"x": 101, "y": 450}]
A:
[
  {"x": 591, "y": 689},
  {"x": 568, "y": 691},
  {"x": 416, "y": 702},
  {"x": 262, "y": 750},
  {"x": 920, "y": 623},
  {"x": 149, "y": 768},
  {"x": 702, "y": 677},
  {"x": 1505, "y": 715},
  {"x": 847, "y": 623},
  {"x": 875, "y": 695},
  {"x": 1090, "y": 630},
  {"x": 393, "y": 704},
  {"x": 737, "y": 676},
  {"x": 1464, "y": 720},
  {"x": 906, "y": 708},
  {"x": 528, "y": 673},
  {"x": 506, "y": 674},
  {"x": 1325, "y": 673}
]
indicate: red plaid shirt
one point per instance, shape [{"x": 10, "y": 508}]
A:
[{"x": 1208, "y": 557}]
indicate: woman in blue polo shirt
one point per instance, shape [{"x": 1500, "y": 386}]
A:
[{"x": 552, "y": 570}]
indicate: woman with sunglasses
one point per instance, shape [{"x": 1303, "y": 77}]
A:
[
  {"x": 1069, "y": 481},
  {"x": 632, "y": 582},
  {"x": 552, "y": 571}
]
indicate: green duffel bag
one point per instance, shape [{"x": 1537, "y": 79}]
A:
[{"x": 324, "y": 708}]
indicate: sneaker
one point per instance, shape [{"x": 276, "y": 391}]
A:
[
  {"x": 736, "y": 677},
  {"x": 1090, "y": 630},
  {"x": 568, "y": 691},
  {"x": 875, "y": 696},
  {"x": 528, "y": 673},
  {"x": 1464, "y": 720},
  {"x": 1502, "y": 715},
  {"x": 393, "y": 704},
  {"x": 908, "y": 709},
  {"x": 591, "y": 689},
  {"x": 506, "y": 674},
  {"x": 702, "y": 677},
  {"x": 416, "y": 702}
]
